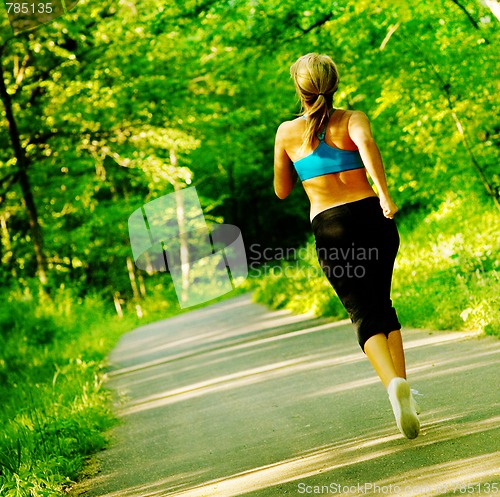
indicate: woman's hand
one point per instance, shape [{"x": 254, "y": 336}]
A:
[{"x": 388, "y": 207}]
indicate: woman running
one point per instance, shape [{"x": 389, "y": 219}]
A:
[{"x": 331, "y": 150}]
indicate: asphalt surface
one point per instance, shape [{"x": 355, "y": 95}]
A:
[{"x": 235, "y": 399}]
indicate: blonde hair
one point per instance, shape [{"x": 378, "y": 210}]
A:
[{"x": 316, "y": 80}]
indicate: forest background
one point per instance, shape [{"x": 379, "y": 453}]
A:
[{"x": 117, "y": 103}]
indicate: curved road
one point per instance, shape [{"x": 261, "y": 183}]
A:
[{"x": 234, "y": 399}]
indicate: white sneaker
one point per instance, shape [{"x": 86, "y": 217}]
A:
[
  {"x": 404, "y": 412},
  {"x": 413, "y": 402}
]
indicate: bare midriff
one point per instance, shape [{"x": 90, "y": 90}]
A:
[
  {"x": 335, "y": 189},
  {"x": 331, "y": 189}
]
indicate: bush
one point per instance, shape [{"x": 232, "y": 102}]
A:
[
  {"x": 453, "y": 252},
  {"x": 54, "y": 409}
]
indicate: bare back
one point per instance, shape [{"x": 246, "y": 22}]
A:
[{"x": 331, "y": 189}]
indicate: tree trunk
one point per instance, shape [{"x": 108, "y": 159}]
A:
[
  {"x": 131, "y": 276},
  {"x": 184, "y": 249},
  {"x": 5, "y": 245},
  {"x": 118, "y": 304},
  {"x": 142, "y": 285},
  {"x": 22, "y": 166},
  {"x": 35, "y": 229},
  {"x": 232, "y": 193}
]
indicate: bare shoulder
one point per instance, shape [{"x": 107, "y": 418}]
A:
[
  {"x": 359, "y": 126},
  {"x": 358, "y": 118},
  {"x": 287, "y": 126},
  {"x": 287, "y": 129},
  {"x": 284, "y": 127}
]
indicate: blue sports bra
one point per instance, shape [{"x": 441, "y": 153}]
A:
[{"x": 326, "y": 159}]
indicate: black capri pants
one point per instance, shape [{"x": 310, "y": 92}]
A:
[{"x": 356, "y": 246}]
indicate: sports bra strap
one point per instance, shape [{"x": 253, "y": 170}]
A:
[{"x": 321, "y": 136}]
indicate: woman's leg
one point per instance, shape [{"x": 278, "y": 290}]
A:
[
  {"x": 377, "y": 350},
  {"x": 387, "y": 355},
  {"x": 395, "y": 343}
]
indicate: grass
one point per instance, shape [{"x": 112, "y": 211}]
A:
[
  {"x": 447, "y": 273},
  {"x": 54, "y": 407}
]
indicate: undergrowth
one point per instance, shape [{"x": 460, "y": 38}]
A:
[
  {"x": 54, "y": 409},
  {"x": 446, "y": 276}
]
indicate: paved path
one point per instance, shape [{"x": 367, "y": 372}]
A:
[{"x": 234, "y": 399}]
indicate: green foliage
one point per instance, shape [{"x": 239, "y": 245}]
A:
[
  {"x": 295, "y": 283},
  {"x": 52, "y": 368},
  {"x": 452, "y": 252},
  {"x": 54, "y": 405},
  {"x": 117, "y": 104}
]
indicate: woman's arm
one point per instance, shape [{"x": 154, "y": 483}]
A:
[
  {"x": 361, "y": 134},
  {"x": 285, "y": 175}
]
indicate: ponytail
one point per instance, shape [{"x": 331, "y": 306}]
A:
[{"x": 316, "y": 80}]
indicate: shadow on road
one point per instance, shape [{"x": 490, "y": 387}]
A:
[{"x": 234, "y": 399}]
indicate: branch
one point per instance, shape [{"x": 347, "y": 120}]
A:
[
  {"x": 39, "y": 138},
  {"x": 4, "y": 45},
  {"x": 44, "y": 75},
  {"x": 471, "y": 19},
  {"x": 200, "y": 8},
  {"x": 19, "y": 151},
  {"x": 303, "y": 31},
  {"x": 20, "y": 71},
  {"x": 9, "y": 179},
  {"x": 490, "y": 189},
  {"x": 317, "y": 24},
  {"x": 388, "y": 35}
]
